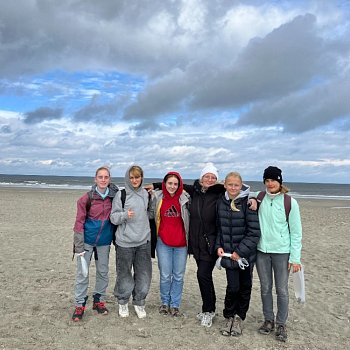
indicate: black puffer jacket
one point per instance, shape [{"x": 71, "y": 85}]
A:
[
  {"x": 238, "y": 231},
  {"x": 202, "y": 233}
]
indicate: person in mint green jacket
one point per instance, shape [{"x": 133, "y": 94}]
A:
[{"x": 279, "y": 251}]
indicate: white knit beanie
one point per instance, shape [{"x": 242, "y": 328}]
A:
[{"x": 209, "y": 168}]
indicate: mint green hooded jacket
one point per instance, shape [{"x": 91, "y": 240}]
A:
[{"x": 276, "y": 237}]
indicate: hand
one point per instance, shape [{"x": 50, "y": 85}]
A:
[
  {"x": 131, "y": 213},
  {"x": 235, "y": 256},
  {"x": 294, "y": 267},
  {"x": 253, "y": 204},
  {"x": 148, "y": 187},
  {"x": 80, "y": 254},
  {"x": 220, "y": 252}
]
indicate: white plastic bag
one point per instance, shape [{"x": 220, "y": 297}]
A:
[
  {"x": 299, "y": 285},
  {"x": 84, "y": 266}
]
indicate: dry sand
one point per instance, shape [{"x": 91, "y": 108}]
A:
[{"x": 37, "y": 279}]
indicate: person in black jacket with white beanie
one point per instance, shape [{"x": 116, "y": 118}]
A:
[{"x": 236, "y": 245}]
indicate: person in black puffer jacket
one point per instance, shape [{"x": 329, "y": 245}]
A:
[{"x": 238, "y": 234}]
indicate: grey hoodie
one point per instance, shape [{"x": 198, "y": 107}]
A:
[{"x": 135, "y": 231}]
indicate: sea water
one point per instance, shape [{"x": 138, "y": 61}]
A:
[{"x": 297, "y": 189}]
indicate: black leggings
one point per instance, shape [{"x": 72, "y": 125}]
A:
[{"x": 206, "y": 284}]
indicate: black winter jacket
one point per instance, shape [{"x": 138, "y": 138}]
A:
[
  {"x": 202, "y": 233},
  {"x": 238, "y": 231}
]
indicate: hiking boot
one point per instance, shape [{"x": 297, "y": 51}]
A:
[
  {"x": 226, "y": 331},
  {"x": 100, "y": 308},
  {"x": 175, "y": 312},
  {"x": 267, "y": 327},
  {"x": 281, "y": 333},
  {"x": 236, "y": 326},
  {"x": 207, "y": 319},
  {"x": 99, "y": 305},
  {"x": 123, "y": 310},
  {"x": 140, "y": 311},
  {"x": 79, "y": 311},
  {"x": 164, "y": 309}
]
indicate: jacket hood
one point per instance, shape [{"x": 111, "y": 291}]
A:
[
  {"x": 113, "y": 189},
  {"x": 243, "y": 193},
  {"x": 179, "y": 189},
  {"x": 128, "y": 185}
]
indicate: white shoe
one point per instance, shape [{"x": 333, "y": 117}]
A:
[
  {"x": 123, "y": 310},
  {"x": 207, "y": 319},
  {"x": 140, "y": 311},
  {"x": 199, "y": 316}
]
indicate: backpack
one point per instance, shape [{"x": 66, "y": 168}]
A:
[
  {"x": 287, "y": 203},
  {"x": 88, "y": 206},
  {"x": 152, "y": 223}
]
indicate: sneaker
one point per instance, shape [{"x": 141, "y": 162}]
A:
[
  {"x": 199, "y": 316},
  {"x": 123, "y": 310},
  {"x": 78, "y": 313},
  {"x": 236, "y": 326},
  {"x": 140, "y": 311},
  {"x": 175, "y": 312},
  {"x": 281, "y": 333},
  {"x": 226, "y": 331},
  {"x": 267, "y": 327},
  {"x": 100, "y": 308},
  {"x": 207, "y": 319},
  {"x": 164, "y": 309}
]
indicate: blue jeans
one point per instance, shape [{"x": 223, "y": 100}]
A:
[
  {"x": 276, "y": 264},
  {"x": 172, "y": 266},
  {"x": 138, "y": 283}
]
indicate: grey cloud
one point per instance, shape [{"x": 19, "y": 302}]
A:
[
  {"x": 283, "y": 61},
  {"x": 162, "y": 97},
  {"x": 289, "y": 60},
  {"x": 85, "y": 35},
  {"x": 99, "y": 113},
  {"x": 42, "y": 114},
  {"x": 300, "y": 112},
  {"x": 5, "y": 129}
]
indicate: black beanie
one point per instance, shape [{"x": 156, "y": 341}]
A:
[{"x": 273, "y": 173}]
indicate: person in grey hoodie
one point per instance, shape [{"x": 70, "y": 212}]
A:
[{"x": 133, "y": 244}]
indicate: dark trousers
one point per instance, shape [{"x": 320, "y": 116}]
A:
[
  {"x": 206, "y": 284},
  {"x": 238, "y": 291}
]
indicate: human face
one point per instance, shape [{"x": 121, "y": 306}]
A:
[
  {"x": 135, "y": 180},
  {"x": 272, "y": 186},
  {"x": 102, "y": 180},
  {"x": 208, "y": 180},
  {"x": 233, "y": 185},
  {"x": 171, "y": 185}
]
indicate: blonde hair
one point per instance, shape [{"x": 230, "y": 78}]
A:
[
  {"x": 236, "y": 175},
  {"x": 233, "y": 174},
  {"x": 136, "y": 171},
  {"x": 103, "y": 167},
  {"x": 284, "y": 189}
]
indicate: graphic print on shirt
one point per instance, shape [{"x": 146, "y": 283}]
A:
[{"x": 172, "y": 212}]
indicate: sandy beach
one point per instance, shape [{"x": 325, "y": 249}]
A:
[{"x": 37, "y": 279}]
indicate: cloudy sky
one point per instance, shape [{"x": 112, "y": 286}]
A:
[{"x": 173, "y": 84}]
